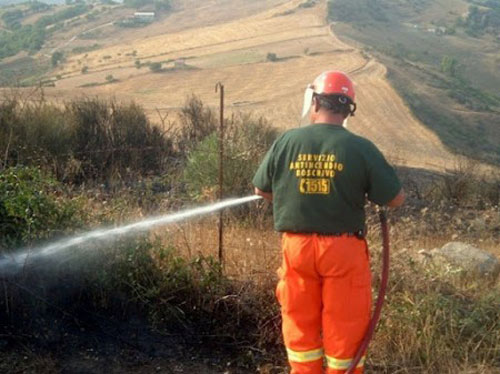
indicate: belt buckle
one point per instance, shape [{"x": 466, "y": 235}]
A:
[{"x": 360, "y": 234}]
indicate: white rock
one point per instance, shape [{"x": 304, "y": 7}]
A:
[{"x": 469, "y": 259}]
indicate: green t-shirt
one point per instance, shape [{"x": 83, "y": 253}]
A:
[{"x": 320, "y": 176}]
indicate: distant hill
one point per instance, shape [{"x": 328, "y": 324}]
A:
[
  {"x": 442, "y": 57},
  {"x": 10, "y": 2}
]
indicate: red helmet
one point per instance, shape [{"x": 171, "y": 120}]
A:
[{"x": 334, "y": 83}]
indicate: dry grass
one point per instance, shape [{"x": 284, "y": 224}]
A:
[
  {"x": 250, "y": 253},
  {"x": 430, "y": 324}
]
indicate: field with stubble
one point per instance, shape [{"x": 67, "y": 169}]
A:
[{"x": 235, "y": 52}]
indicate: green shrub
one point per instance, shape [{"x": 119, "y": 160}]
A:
[
  {"x": 34, "y": 134},
  {"x": 272, "y": 57},
  {"x": 357, "y": 12},
  {"x": 89, "y": 139},
  {"x": 28, "y": 38},
  {"x": 155, "y": 67},
  {"x": 247, "y": 140},
  {"x": 308, "y": 4},
  {"x": 115, "y": 140},
  {"x": 449, "y": 65},
  {"x": 30, "y": 207},
  {"x": 196, "y": 122},
  {"x": 12, "y": 18},
  {"x": 56, "y": 58}
]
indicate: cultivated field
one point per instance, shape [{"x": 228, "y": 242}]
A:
[{"x": 195, "y": 56}]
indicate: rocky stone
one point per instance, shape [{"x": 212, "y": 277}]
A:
[{"x": 470, "y": 260}]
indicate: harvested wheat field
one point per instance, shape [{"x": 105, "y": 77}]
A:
[{"x": 235, "y": 52}]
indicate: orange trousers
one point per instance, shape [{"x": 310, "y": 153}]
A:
[{"x": 325, "y": 297}]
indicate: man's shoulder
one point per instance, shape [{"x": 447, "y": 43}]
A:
[
  {"x": 361, "y": 140},
  {"x": 288, "y": 135},
  {"x": 343, "y": 135}
]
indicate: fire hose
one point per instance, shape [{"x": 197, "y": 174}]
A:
[{"x": 381, "y": 295}]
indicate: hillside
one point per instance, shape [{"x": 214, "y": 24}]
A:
[
  {"x": 231, "y": 43},
  {"x": 442, "y": 57}
]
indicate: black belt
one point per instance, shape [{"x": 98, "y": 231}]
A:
[{"x": 360, "y": 234}]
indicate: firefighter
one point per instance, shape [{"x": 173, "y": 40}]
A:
[{"x": 318, "y": 178}]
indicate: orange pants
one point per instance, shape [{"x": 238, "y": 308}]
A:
[{"x": 325, "y": 296}]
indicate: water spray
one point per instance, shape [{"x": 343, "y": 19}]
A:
[{"x": 14, "y": 263}]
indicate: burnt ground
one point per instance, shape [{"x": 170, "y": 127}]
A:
[
  {"x": 103, "y": 345},
  {"x": 49, "y": 323}
]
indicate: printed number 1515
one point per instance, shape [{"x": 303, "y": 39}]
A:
[{"x": 314, "y": 186}]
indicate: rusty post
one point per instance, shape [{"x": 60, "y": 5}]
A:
[{"x": 221, "y": 171}]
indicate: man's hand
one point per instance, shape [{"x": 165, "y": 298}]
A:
[
  {"x": 265, "y": 195},
  {"x": 397, "y": 201}
]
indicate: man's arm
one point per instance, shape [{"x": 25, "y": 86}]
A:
[
  {"x": 398, "y": 200},
  {"x": 265, "y": 195}
]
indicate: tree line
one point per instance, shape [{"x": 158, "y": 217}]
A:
[{"x": 31, "y": 38}]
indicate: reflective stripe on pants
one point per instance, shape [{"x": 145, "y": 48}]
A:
[
  {"x": 325, "y": 297},
  {"x": 342, "y": 364},
  {"x": 306, "y": 356}
]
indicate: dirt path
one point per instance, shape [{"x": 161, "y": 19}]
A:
[{"x": 67, "y": 43}]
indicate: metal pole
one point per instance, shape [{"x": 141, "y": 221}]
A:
[{"x": 221, "y": 171}]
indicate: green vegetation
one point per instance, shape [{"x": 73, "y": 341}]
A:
[
  {"x": 38, "y": 6},
  {"x": 160, "y": 5},
  {"x": 108, "y": 80},
  {"x": 155, "y": 67},
  {"x": 135, "y": 22},
  {"x": 30, "y": 209},
  {"x": 12, "y": 18},
  {"x": 449, "y": 65},
  {"x": 26, "y": 38},
  {"x": 484, "y": 20},
  {"x": 271, "y": 57},
  {"x": 31, "y": 38},
  {"x": 89, "y": 139},
  {"x": 246, "y": 140},
  {"x": 362, "y": 11},
  {"x": 62, "y": 15},
  {"x": 308, "y": 4},
  {"x": 22, "y": 71},
  {"x": 85, "y": 49},
  {"x": 56, "y": 58}
]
